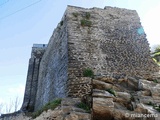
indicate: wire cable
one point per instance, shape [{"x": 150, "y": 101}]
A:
[{"x": 20, "y": 10}]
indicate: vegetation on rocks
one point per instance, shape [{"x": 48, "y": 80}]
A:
[
  {"x": 75, "y": 14},
  {"x": 132, "y": 98},
  {"x": 88, "y": 15},
  {"x": 51, "y": 105},
  {"x": 155, "y": 81},
  {"x": 156, "y": 107},
  {"x": 83, "y": 106},
  {"x": 111, "y": 91},
  {"x": 149, "y": 103},
  {"x": 88, "y": 73},
  {"x": 85, "y": 22},
  {"x": 156, "y": 55}
]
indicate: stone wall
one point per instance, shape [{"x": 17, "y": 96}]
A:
[
  {"x": 109, "y": 41},
  {"x": 32, "y": 78},
  {"x": 53, "y": 69},
  {"x": 115, "y": 42}
]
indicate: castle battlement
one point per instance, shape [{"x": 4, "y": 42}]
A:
[{"x": 39, "y": 45}]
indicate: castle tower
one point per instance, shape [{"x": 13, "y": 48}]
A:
[
  {"x": 32, "y": 77},
  {"x": 109, "y": 41}
]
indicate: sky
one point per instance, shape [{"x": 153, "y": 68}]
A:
[{"x": 25, "y": 22}]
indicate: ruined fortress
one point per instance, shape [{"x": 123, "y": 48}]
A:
[{"x": 110, "y": 41}]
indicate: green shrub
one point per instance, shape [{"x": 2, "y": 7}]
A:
[
  {"x": 85, "y": 22},
  {"x": 36, "y": 114},
  {"x": 83, "y": 106},
  {"x": 111, "y": 91},
  {"x": 51, "y": 105},
  {"x": 88, "y": 73},
  {"x": 75, "y": 14},
  {"x": 155, "y": 81},
  {"x": 149, "y": 103},
  {"x": 88, "y": 15},
  {"x": 156, "y": 108}
]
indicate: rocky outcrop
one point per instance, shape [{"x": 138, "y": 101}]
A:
[
  {"x": 67, "y": 110},
  {"x": 132, "y": 98},
  {"x": 112, "y": 99}
]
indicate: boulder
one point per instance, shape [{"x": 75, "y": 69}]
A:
[
  {"x": 107, "y": 79},
  {"x": 101, "y": 85},
  {"x": 132, "y": 83},
  {"x": 103, "y": 108},
  {"x": 124, "y": 95},
  {"x": 101, "y": 93},
  {"x": 155, "y": 91},
  {"x": 78, "y": 116}
]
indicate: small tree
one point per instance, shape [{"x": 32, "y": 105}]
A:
[
  {"x": 16, "y": 103},
  {"x": 156, "y": 54},
  {"x": 9, "y": 106},
  {"x": 1, "y": 107}
]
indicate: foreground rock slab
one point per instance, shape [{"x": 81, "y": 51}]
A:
[{"x": 68, "y": 110}]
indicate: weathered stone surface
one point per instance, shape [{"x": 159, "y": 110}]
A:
[
  {"x": 144, "y": 93},
  {"x": 111, "y": 42},
  {"x": 101, "y": 85},
  {"x": 155, "y": 91},
  {"x": 103, "y": 108},
  {"x": 32, "y": 77},
  {"x": 124, "y": 95},
  {"x": 106, "y": 79},
  {"x": 78, "y": 116},
  {"x": 53, "y": 71},
  {"x": 132, "y": 83},
  {"x": 70, "y": 101},
  {"x": 129, "y": 99},
  {"x": 101, "y": 93},
  {"x": 79, "y": 86}
]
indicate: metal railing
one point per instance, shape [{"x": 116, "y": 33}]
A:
[{"x": 39, "y": 45}]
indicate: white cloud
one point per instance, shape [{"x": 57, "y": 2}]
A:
[
  {"x": 151, "y": 23},
  {"x": 17, "y": 90},
  {"x": 1, "y": 100}
]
